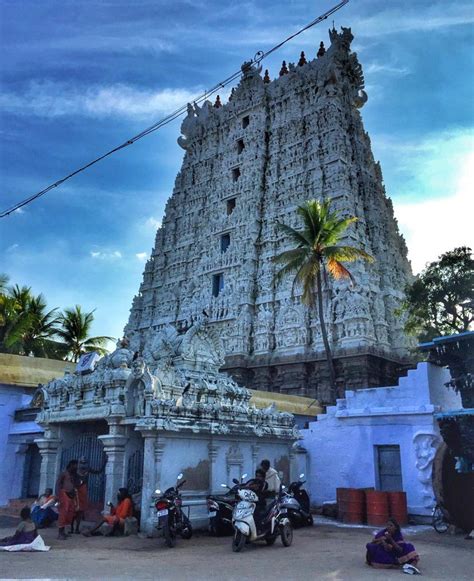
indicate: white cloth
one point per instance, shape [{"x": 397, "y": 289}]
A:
[
  {"x": 273, "y": 480},
  {"x": 36, "y": 545}
]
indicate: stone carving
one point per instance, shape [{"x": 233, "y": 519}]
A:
[
  {"x": 425, "y": 444},
  {"x": 247, "y": 164},
  {"x": 184, "y": 392}
]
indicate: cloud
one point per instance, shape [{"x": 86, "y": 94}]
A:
[
  {"x": 141, "y": 256},
  {"x": 153, "y": 223},
  {"x": 434, "y": 225},
  {"x": 376, "y": 68},
  {"x": 49, "y": 99},
  {"x": 12, "y": 248},
  {"x": 106, "y": 254},
  {"x": 413, "y": 18}
]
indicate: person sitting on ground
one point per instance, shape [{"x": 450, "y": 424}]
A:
[
  {"x": 117, "y": 516},
  {"x": 43, "y": 510},
  {"x": 388, "y": 549},
  {"x": 25, "y": 532},
  {"x": 271, "y": 477}
]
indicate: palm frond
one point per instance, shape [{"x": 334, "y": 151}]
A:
[
  {"x": 338, "y": 270},
  {"x": 347, "y": 253}
]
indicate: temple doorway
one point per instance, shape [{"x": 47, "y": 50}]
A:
[{"x": 31, "y": 472}]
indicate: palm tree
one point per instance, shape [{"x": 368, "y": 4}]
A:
[
  {"x": 39, "y": 338},
  {"x": 316, "y": 253},
  {"x": 75, "y": 331},
  {"x": 14, "y": 317}
]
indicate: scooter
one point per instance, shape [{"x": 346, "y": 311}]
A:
[
  {"x": 171, "y": 518},
  {"x": 273, "y": 522},
  {"x": 220, "y": 507},
  {"x": 296, "y": 501}
]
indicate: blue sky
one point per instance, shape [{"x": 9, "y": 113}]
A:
[{"x": 79, "y": 77}]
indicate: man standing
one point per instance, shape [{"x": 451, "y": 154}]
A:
[
  {"x": 271, "y": 477},
  {"x": 67, "y": 495}
]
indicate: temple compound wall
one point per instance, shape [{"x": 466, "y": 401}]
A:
[
  {"x": 385, "y": 438},
  {"x": 247, "y": 164}
]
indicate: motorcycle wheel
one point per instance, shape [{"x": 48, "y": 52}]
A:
[
  {"x": 187, "y": 530},
  {"x": 238, "y": 542},
  {"x": 286, "y": 535},
  {"x": 270, "y": 540},
  {"x": 169, "y": 536}
]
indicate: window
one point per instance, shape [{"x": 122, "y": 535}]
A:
[
  {"x": 225, "y": 242},
  {"x": 245, "y": 121},
  {"x": 240, "y": 146},
  {"x": 236, "y": 173},
  {"x": 230, "y": 206},
  {"x": 217, "y": 284},
  {"x": 389, "y": 468}
]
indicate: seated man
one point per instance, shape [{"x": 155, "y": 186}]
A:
[
  {"x": 272, "y": 479},
  {"x": 259, "y": 486},
  {"x": 117, "y": 516},
  {"x": 43, "y": 510}
]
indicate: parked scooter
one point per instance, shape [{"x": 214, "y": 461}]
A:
[
  {"x": 171, "y": 518},
  {"x": 296, "y": 501},
  {"x": 272, "y": 523},
  {"x": 220, "y": 507}
]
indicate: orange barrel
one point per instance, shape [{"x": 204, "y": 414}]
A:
[
  {"x": 397, "y": 503},
  {"x": 377, "y": 507},
  {"x": 353, "y": 506},
  {"x": 341, "y": 496}
]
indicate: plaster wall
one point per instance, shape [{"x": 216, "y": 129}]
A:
[
  {"x": 14, "y": 438},
  {"x": 342, "y": 443}
]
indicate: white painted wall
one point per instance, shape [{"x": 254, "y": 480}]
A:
[{"x": 341, "y": 443}]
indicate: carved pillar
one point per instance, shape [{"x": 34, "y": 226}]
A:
[
  {"x": 149, "y": 472},
  {"x": 213, "y": 451},
  {"x": 48, "y": 448},
  {"x": 114, "y": 447},
  {"x": 255, "y": 453}
]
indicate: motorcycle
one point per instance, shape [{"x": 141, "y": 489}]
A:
[
  {"x": 296, "y": 502},
  {"x": 171, "y": 518},
  {"x": 220, "y": 507},
  {"x": 273, "y": 522}
]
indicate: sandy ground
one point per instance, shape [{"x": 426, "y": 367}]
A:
[{"x": 324, "y": 551}]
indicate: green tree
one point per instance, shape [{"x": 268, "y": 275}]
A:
[
  {"x": 441, "y": 299},
  {"x": 316, "y": 252},
  {"x": 75, "y": 330},
  {"x": 25, "y": 325}
]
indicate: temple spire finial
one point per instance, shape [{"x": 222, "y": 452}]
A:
[
  {"x": 218, "y": 103},
  {"x": 266, "y": 77},
  {"x": 284, "y": 69},
  {"x": 302, "y": 60},
  {"x": 321, "y": 50}
]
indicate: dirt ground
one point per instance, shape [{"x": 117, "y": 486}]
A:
[{"x": 325, "y": 551}]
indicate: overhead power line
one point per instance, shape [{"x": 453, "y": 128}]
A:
[{"x": 258, "y": 58}]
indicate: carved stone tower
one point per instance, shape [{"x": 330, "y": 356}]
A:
[{"x": 247, "y": 164}]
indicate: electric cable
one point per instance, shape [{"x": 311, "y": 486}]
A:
[{"x": 258, "y": 58}]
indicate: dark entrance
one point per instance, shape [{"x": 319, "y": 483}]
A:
[
  {"x": 90, "y": 447},
  {"x": 31, "y": 472},
  {"x": 135, "y": 472}
]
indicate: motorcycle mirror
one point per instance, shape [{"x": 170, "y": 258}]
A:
[
  {"x": 180, "y": 475},
  {"x": 157, "y": 491},
  {"x": 302, "y": 475},
  {"x": 235, "y": 481},
  {"x": 283, "y": 486},
  {"x": 224, "y": 486},
  {"x": 244, "y": 476}
]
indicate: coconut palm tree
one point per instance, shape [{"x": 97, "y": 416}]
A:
[
  {"x": 39, "y": 337},
  {"x": 74, "y": 332},
  {"x": 317, "y": 253}
]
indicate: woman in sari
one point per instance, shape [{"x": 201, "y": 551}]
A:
[
  {"x": 25, "y": 532},
  {"x": 389, "y": 550}
]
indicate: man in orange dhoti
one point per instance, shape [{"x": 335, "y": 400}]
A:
[
  {"x": 82, "y": 483},
  {"x": 118, "y": 514},
  {"x": 67, "y": 496}
]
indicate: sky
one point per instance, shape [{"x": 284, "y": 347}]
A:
[{"x": 79, "y": 77}]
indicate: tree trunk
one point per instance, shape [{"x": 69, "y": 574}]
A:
[{"x": 332, "y": 373}]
